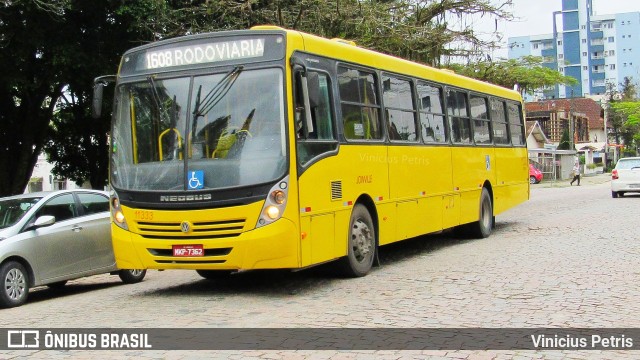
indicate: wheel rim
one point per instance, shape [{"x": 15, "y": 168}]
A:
[
  {"x": 361, "y": 240},
  {"x": 135, "y": 272},
  {"x": 485, "y": 214},
  {"x": 532, "y": 180},
  {"x": 15, "y": 284}
]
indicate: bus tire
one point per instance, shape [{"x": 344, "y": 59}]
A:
[
  {"x": 483, "y": 227},
  {"x": 214, "y": 274},
  {"x": 361, "y": 244}
]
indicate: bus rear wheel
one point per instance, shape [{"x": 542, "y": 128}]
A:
[
  {"x": 483, "y": 227},
  {"x": 361, "y": 243}
]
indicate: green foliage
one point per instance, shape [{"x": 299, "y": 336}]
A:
[
  {"x": 526, "y": 72},
  {"x": 629, "y": 113}
]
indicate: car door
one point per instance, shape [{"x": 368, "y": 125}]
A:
[
  {"x": 96, "y": 228},
  {"x": 61, "y": 253}
]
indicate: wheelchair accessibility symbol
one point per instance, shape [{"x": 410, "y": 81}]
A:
[{"x": 195, "y": 180}]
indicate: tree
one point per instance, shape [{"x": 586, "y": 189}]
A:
[
  {"x": 30, "y": 85},
  {"x": 565, "y": 141},
  {"x": 630, "y": 112},
  {"x": 624, "y": 116},
  {"x": 527, "y": 73}
]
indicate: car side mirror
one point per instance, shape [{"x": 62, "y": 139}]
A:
[{"x": 42, "y": 221}]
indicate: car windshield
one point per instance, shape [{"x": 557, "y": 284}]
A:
[
  {"x": 12, "y": 210},
  {"x": 626, "y": 164},
  {"x": 202, "y": 132}
]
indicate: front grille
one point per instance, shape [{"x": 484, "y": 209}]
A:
[{"x": 200, "y": 230}]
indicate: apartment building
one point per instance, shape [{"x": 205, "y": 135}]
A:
[{"x": 594, "y": 49}]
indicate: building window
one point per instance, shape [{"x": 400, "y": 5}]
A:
[
  {"x": 59, "y": 184},
  {"x": 35, "y": 185},
  {"x": 623, "y": 36},
  {"x": 560, "y": 56},
  {"x": 584, "y": 41},
  {"x": 584, "y": 53},
  {"x": 559, "y": 42},
  {"x": 611, "y": 39},
  {"x": 612, "y": 52},
  {"x": 612, "y": 66},
  {"x": 585, "y": 68},
  {"x": 535, "y": 45},
  {"x": 583, "y": 27}
]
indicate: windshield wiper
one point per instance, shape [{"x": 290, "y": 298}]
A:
[
  {"x": 213, "y": 97},
  {"x": 156, "y": 96}
]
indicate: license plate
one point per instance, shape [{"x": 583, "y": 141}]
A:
[{"x": 188, "y": 250}]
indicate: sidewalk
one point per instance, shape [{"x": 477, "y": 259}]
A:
[{"x": 584, "y": 181}]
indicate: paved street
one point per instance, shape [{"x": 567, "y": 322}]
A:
[{"x": 567, "y": 258}]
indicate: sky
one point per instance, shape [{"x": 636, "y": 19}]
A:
[{"x": 535, "y": 17}]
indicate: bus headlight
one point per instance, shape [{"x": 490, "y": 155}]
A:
[
  {"x": 116, "y": 212},
  {"x": 273, "y": 212},
  {"x": 275, "y": 203}
]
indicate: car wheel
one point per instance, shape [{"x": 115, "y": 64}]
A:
[
  {"x": 131, "y": 276},
  {"x": 620, "y": 194},
  {"x": 15, "y": 288},
  {"x": 361, "y": 242},
  {"x": 214, "y": 274},
  {"x": 614, "y": 194},
  {"x": 57, "y": 285},
  {"x": 532, "y": 179}
]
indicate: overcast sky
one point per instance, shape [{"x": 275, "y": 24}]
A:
[{"x": 536, "y": 17}]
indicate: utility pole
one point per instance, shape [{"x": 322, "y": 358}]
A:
[
  {"x": 605, "y": 105},
  {"x": 571, "y": 124}
]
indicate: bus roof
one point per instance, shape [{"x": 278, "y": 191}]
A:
[{"x": 343, "y": 50}]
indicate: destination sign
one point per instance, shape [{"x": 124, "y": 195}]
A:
[{"x": 203, "y": 51}]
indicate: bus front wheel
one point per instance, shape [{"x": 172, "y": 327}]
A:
[{"x": 361, "y": 243}]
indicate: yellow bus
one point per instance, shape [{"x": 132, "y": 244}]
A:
[{"x": 271, "y": 148}]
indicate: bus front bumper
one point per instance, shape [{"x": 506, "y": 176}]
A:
[{"x": 274, "y": 246}]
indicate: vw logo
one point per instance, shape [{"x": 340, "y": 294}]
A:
[{"x": 185, "y": 226}]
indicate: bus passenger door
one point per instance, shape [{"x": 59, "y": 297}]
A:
[{"x": 315, "y": 146}]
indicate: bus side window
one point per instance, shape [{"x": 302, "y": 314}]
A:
[{"x": 321, "y": 129}]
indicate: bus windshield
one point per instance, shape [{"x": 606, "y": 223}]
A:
[{"x": 202, "y": 132}]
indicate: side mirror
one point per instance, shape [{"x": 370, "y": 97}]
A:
[
  {"x": 42, "y": 221},
  {"x": 98, "y": 88},
  {"x": 97, "y": 100},
  {"x": 313, "y": 84}
]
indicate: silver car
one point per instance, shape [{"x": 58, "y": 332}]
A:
[
  {"x": 625, "y": 177},
  {"x": 50, "y": 238}
]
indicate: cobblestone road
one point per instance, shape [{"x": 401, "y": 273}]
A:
[{"x": 567, "y": 258}]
